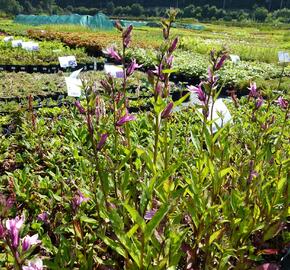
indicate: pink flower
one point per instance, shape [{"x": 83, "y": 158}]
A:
[
  {"x": 29, "y": 241},
  {"x": 80, "y": 107},
  {"x": 283, "y": 103},
  {"x": 37, "y": 264},
  {"x": 173, "y": 46},
  {"x": 259, "y": 102},
  {"x": 127, "y": 36},
  {"x": 43, "y": 217},
  {"x": 221, "y": 61},
  {"x": 158, "y": 89},
  {"x": 113, "y": 53},
  {"x": 253, "y": 90},
  {"x": 102, "y": 141},
  {"x": 13, "y": 227},
  {"x": 2, "y": 230},
  {"x": 78, "y": 199},
  {"x": 124, "y": 119},
  {"x": 149, "y": 214},
  {"x": 132, "y": 67},
  {"x": 158, "y": 71},
  {"x": 169, "y": 60},
  {"x": 167, "y": 111},
  {"x": 198, "y": 90}
]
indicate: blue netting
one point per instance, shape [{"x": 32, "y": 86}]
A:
[{"x": 100, "y": 20}]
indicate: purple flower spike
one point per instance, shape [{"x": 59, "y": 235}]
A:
[
  {"x": 127, "y": 36},
  {"x": 113, "y": 53},
  {"x": 173, "y": 46},
  {"x": 158, "y": 89},
  {"x": 43, "y": 217},
  {"x": 169, "y": 60},
  {"x": 34, "y": 265},
  {"x": 80, "y": 107},
  {"x": 283, "y": 103},
  {"x": 29, "y": 241},
  {"x": 220, "y": 63},
  {"x": 13, "y": 227},
  {"x": 124, "y": 119},
  {"x": 78, "y": 199},
  {"x": 167, "y": 111},
  {"x": 133, "y": 66},
  {"x": 102, "y": 141},
  {"x": 253, "y": 90},
  {"x": 2, "y": 230},
  {"x": 149, "y": 214},
  {"x": 259, "y": 102},
  {"x": 198, "y": 90}
]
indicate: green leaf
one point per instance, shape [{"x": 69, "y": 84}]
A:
[
  {"x": 215, "y": 236},
  {"x": 155, "y": 221},
  {"x": 135, "y": 216}
]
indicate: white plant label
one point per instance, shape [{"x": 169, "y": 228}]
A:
[
  {"x": 16, "y": 43},
  {"x": 30, "y": 46},
  {"x": 235, "y": 58},
  {"x": 67, "y": 61},
  {"x": 73, "y": 84},
  {"x": 284, "y": 57},
  {"x": 114, "y": 71},
  {"x": 221, "y": 115},
  {"x": 8, "y": 39}
]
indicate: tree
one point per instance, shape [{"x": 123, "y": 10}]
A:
[
  {"x": 11, "y": 6},
  {"x": 137, "y": 10},
  {"x": 188, "y": 11},
  {"x": 261, "y": 14},
  {"x": 110, "y": 7}
]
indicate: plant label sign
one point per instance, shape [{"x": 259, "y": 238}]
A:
[
  {"x": 73, "y": 84},
  {"x": 114, "y": 71},
  {"x": 30, "y": 46},
  {"x": 8, "y": 39},
  {"x": 67, "y": 61},
  {"x": 284, "y": 57},
  {"x": 235, "y": 58},
  {"x": 16, "y": 43}
]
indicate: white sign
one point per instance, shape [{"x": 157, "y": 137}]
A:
[
  {"x": 73, "y": 84},
  {"x": 16, "y": 43},
  {"x": 283, "y": 57},
  {"x": 235, "y": 58},
  {"x": 67, "y": 61},
  {"x": 221, "y": 114},
  {"x": 30, "y": 46},
  {"x": 7, "y": 39},
  {"x": 113, "y": 70}
]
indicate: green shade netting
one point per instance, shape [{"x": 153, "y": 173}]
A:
[{"x": 100, "y": 20}]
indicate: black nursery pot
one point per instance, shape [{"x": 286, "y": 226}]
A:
[
  {"x": 33, "y": 69},
  {"x": 91, "y": 66},
  {"x": 54, "y": 68},
  {"x": 23, "y": 68},
  {"x": 100, "y": 66},
  {"x": 13, "y": 68},
  {"x": 45, "y": 69}
]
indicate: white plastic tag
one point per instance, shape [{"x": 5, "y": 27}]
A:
[
  {"x": 74, "y": 85},
  {"x": 114, "y": 71},
  {"x": 16, "y": 43},
  {"x": 67, "y": 61},
  {"x": 235, "y": 58},
  {"x": 30, "y": 46},
  {"x": 221, "y": 114},
  {"x": 283, "y": 57},
  {"x": 8, "y": 39}
]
